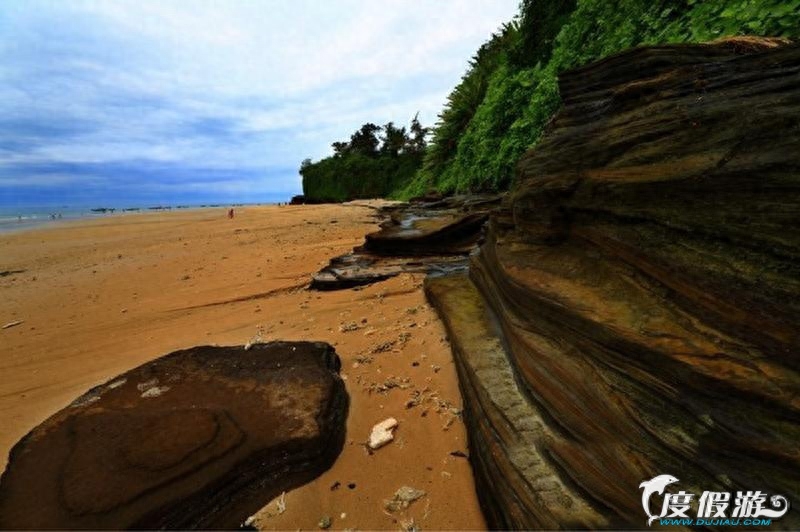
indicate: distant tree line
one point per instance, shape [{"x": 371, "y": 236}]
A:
[{"x": 375, "y": 162}]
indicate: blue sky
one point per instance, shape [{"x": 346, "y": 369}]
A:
[{"x": 131, "y": 102}]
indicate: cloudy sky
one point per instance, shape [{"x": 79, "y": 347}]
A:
[{"x": 128, "y": 102}]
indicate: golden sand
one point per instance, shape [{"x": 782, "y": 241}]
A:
[{"x": 99, "y": 297}]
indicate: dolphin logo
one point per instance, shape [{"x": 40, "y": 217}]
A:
[
  {"x": 654, "y": 485},
  {"x": 778, "y": 501}
]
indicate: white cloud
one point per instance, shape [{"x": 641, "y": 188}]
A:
[{"x": 217, "y": 84}]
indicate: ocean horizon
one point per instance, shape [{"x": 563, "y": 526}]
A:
[{"x": 22, "y": 217}]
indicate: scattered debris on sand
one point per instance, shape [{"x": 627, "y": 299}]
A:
[{"x": 402, "y": 499}]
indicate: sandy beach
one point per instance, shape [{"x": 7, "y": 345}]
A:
[{"x": 98, "y": 297}]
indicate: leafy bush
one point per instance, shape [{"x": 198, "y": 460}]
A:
[
  {"x": 366, "y": 166},
  {"x": 343, "y": 178},
  {"x": 510, "y": 91}
]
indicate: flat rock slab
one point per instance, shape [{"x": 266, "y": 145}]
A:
[
  {"x": 419, "y": 237},
  {"x": 199, "y": 438}
]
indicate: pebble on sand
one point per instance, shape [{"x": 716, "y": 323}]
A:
[
  {"x": 403, "y": 498},
  {"x": 382, "y": 433}
]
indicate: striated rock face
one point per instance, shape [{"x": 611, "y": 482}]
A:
[
  {"x": 200, "y": 438},
  {"x": 634, "y": 309},
  {"x": 427, "y": 236}
]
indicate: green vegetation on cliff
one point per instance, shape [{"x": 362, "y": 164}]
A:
[
  {"x": 368, "y": 166},
  {"x": 510, "y": 90}
]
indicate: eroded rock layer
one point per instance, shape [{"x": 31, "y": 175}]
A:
[
  {"x": 200, "y": 438},
  {"x": 634, "y": 308},
  {"x": 426, "y": 236}
]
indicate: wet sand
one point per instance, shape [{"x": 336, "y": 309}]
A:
[{"x": 99, "y": 297}]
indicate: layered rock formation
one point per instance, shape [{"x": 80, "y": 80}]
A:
[
  {"x": 200, "y": 438},
  {"x": 634, "y": 309},
  {"x": 428, "y": 236}
]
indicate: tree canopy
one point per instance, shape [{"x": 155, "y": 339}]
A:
[{"x": 375, "y": 162}]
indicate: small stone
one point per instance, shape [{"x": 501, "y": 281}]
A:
[
  {"x": 325, "y": 522},
  {"x": 382, "y": 433},
  {"x": 403, "y": 498},
  {"x": 408, "y": 494}
]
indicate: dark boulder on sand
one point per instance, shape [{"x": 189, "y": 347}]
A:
[{"x": 200, "y": 438}]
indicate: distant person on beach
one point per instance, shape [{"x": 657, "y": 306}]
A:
[{"x": 230, "y": 214}]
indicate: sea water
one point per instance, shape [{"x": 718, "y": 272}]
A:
[{"x": 16, "y": 218}]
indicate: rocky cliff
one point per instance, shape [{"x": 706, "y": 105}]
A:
[
  {"x": 200, "y": 438},
  {"x": 634, "y": 308}
]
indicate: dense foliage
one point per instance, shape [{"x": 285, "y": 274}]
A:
[
  {"x": 510, "y": 90},
  {"x": 366, "y": 166}
]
